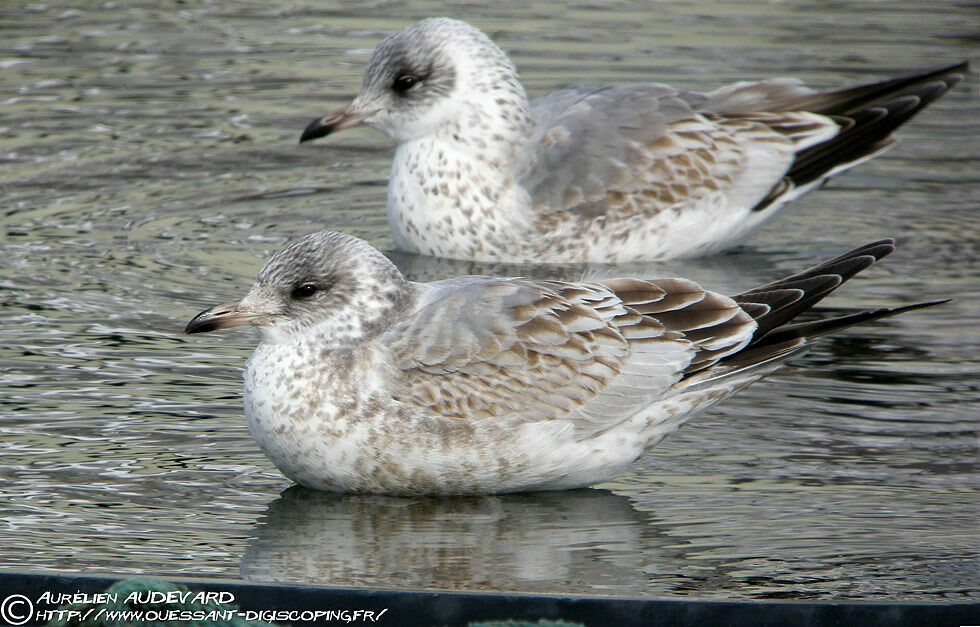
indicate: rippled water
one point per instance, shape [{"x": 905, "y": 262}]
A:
[{"x": 148, "y": 163}]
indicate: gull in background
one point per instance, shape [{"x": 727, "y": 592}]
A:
[
  {"x": 600, "y": 174},
  {"x": 366, "y": 382}
]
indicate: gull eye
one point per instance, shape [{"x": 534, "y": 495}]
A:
[
  {"x": 304, "y": 290},
  {"x": 403, "y": 83}
]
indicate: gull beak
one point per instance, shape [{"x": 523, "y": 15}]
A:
[
  {"x": 220, "y": 317},
  {"x": 345, "y": 117}
]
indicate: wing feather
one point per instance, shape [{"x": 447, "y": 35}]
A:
[
  {"x": 596, "y": 354},
  {"x": 482, "y": 347},
  {"x": 641, "y": 149},
  {"x": 645, "y": 148}
]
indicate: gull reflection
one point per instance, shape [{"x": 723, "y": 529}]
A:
[{"x": 582, "y": 540}]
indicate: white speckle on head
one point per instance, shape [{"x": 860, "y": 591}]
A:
[
  {"x": 327, "y": 285},
  {"x": 363, "y": 381},
  {"x": 453, "y": 70},
  {"x": 590, "y": 174}
]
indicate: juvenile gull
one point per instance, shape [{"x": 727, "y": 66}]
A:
[
  {"x": 615, "y": 174},
  {"x": 366, "y": 382}
]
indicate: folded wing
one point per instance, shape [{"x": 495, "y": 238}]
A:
[
  {"x": 608, "y": 152},
  {"x": 646, "y": 148},
  {"x": 591, "y": 353}
]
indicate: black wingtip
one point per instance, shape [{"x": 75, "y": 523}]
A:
[
  {"x": 856, "y": 259},
  {"x": 817, "y": 328},
  {"x": 847, "y": 101},
  {"x": 776, "y": 305},
  {"x": 955, "y": 68},
  {"x": 868, "y": 115},
  {"x": 922, "y": 305}
]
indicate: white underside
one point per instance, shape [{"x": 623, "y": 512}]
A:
[
  {"x": 421, "y": 453},
  {"x": 425, "y": 216}
]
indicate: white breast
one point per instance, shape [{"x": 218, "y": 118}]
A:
[
  {"x": 329, "y": 422},
  {"x": 448, "y": 202}
]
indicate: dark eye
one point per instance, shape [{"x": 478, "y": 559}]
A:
[
  {"x": 403, "y": 83},
  {"x": 304, "y": 290}
]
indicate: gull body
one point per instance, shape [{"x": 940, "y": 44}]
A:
[
  {"x": 366, "y": 382},
  {"x": 615, "y": 174}
]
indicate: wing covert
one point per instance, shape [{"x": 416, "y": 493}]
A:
[
  {"x": 591, "y": 353},
  {"x": 645, "y": 148}
]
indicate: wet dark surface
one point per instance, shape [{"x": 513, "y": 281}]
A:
[{"x": 149, "y": 164}]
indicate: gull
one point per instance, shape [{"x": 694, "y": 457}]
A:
[
  {"x": 366, "y": 382},
  {"x": 618, "y": 174}
]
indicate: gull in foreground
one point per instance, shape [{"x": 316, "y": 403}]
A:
[
  {"x": 600, "y": 174},
  {"x": 366, "y": 382}
]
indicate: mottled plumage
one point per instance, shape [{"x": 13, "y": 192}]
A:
[
  {"x": 366, "y": 382},
  {"x": 615, "y": 174}
]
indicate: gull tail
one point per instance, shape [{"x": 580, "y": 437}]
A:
[
  {"x": 774, "y": 307},
  {"x": 867, "y": 116},
  {"x": 927, "y": 85}
]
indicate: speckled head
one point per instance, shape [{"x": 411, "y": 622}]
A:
[
  {"x": 327, "y": 283},
  {"x": 423, "y": 76}
]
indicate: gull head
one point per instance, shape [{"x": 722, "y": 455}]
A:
[
  {"x": 422, "y": 77},
  {"x": 333, "y": 285}
]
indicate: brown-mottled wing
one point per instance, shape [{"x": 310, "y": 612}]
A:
[
  {"x": 593, "y": 353},
  {"x": 613, "y": 152},
  {"x": 648, "y": 147}
]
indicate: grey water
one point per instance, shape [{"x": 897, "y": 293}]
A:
[{"x": 149, "y": 164}]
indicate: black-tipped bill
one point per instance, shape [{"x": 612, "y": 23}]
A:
[
  {"x": 220, "y": 317},
  {"x": 335, "y": 121}
]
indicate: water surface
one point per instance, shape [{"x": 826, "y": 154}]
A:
[{"x": 149, "y": 164}]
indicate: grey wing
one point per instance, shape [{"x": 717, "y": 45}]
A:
[
  {"x": 776, "y": 94},
  {"x": 647, "y": 147},
  {"x": 590, "y": 353}
]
